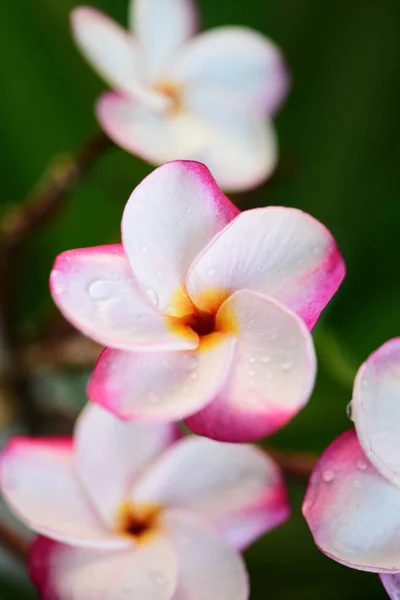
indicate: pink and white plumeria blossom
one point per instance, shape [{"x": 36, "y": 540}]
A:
[
  {"x": 205, "y": 310},
  {"x": 352, "y": 504},
  {"x": 208, "y": 97},
  {"x": 129, "y": 510}
]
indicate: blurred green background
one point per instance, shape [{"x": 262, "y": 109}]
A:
[{"x": 340, "y": 161}]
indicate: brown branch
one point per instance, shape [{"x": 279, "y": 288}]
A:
[
  {"x": 296, "y": 465},
  {"x": 13, "y": 541},
  {"x": 15, "y": 228}
]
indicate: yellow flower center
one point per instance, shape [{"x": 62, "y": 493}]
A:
[
  {"x": 137, "y": 522},
  {"x": 173, "y": 92}
]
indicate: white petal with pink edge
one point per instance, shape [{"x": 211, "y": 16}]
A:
[
  {"x": 239, "y": 146},
  {"x": 391, "y": 583},
  {"x": 162, "y": 27},
  {"x": 64, "y": 572},
  {"x": 272, "y": 373},
  {"x": 96, "y": 290},
  {"x": 237, "y": 487},
  {"x": 168, "y": 219},
  {"x": 353, "y": 512},
  {"x": 110, "y": 455},
  {"x": 114, "y": 54},
  {"x": 376, "y": 409},
  {"x": 209, "y": 568},
  {"x": 38, "y": 482},
  {"x": 281, "y": 252},
  {"x": 238, "y": 61},
  {"x": 163, "y": 385}
]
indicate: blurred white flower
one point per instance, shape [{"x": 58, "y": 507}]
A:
[{"x": 208, "y": 98}]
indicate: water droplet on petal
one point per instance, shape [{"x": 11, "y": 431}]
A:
[
  {"x": 252, "y": 360},
  {"x": 269, "y": 376},
  {"x": 349, "y": 411},
  {"x": 211, "y": 272},
  {"x": 190, "y": 361},
  {"x": 145, "y": 250},
  {"x": 100, "y": 289},
  {"x": 361, "y": 465},
  {"x": 328, "y": 475},
  {"x": 265, "y": 359},
  {"x": 251, "y": 373},
  {"x": 287, "y": 365},
  {"x": 158, "y": 578},
  {"x": 152, "y": 294}
]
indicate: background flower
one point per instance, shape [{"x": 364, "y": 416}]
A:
[
  {"x": 204, "y": 309},
  {"x": 353, "y": 501},
  {"x": 128, "y": 508},
  {"x": 208, "y": 97}
]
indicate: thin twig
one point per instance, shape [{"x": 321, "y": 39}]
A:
[
  {"x": 15, "y": 228},
  {"x": 14, "y": 541}
]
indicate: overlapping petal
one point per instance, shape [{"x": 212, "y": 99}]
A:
[
  {"x": 208, "y": 566},
  {"x": 162, "y": 385},
  {"x": 391, "y": 584},
  {"x": 277, "y": 251},
  {"x": 272, "y": 375},
  {"x": 61, "y": 572},
  {"x": 97, "y": 291},
  {"x": 353, "y": 512},
  {"x": 38, "y": 481},
  {"x": 162, "y": 27},
  {"x": 115, "y": 55},
  {"x": 236, "y": 487},
  {"x": 110, "y": 455},
  {"x": 237, "y": 61},
  {"x": 376, "y": 409},
  {"x": 238, "y": 145},
  {"x": 168, "y": 219}
]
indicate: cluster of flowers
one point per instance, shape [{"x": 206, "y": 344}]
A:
[{"x": 206, "y": 315}]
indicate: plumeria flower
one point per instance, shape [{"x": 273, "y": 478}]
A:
[
  {"x": 205, "y": 310},
  {"x": 208, "y": 97},
  {"x": 353, "y": 501},
  {"x": 129, "y": 510}
]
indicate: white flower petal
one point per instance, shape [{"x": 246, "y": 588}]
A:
[
  {"x": 68, "y": 573},
  {"x": 236, "y": 60},
  {"x": 376, "y": 409},
  {"x": 38, "y": 481},
  {"x": 168, "y": 219},
  {"x": 209, "y": 568},
  {"x": 111, "y": 454}
]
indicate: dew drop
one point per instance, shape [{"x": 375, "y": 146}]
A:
[
  {"x": 252, "y": 360},
  {"x": 349, "y": 411},
  {"x": 361, "y": 465},
  {"x": 212, "y": 272},
  {"x": 158, "y": 578},
  {"x": 328, "y": 475},
  {"x": 266, "y": 359},
  {"x": 286, "y": 366},
  {"x": 251, "y": 373},
  {"x": 145, "y": 250},
  {"x": 100, "y": 289},
  {"x": 190, "y": 361},
  {"x": 59, "y": 288},
  {"x": 269, "y": 376},
  {"x": 152, "y": 294},
  {"x": 316, "y": 250},
  {"x": 159, "y": 274},
  {"x": 194, "y": 375}
]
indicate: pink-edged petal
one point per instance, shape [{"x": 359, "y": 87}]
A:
[
  {"x": 96, "y": 290},
  {"x": 236, "y": 60},
  {"x": 38, "y": 482},
  {"x": 272, "y": 373},
  {"x": 63, "y": 572},
  {"x": 238, "y": 145},
  {"x": 281, "y": 252},
  {"x": 168, "y": 219},
  {"x": 353, "y": 512},
  {"x": 161, "y": 27},
  {"x": 391, "y": 583},
  {"x": 236, "y": 487},
  {"x": 209, "y": 568},
  {"x": 376, "y": 409},
  {"x": 162, "y": 385},
  {"x": 110, "y": 455},
  {"x": 114, "y": 54}
]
